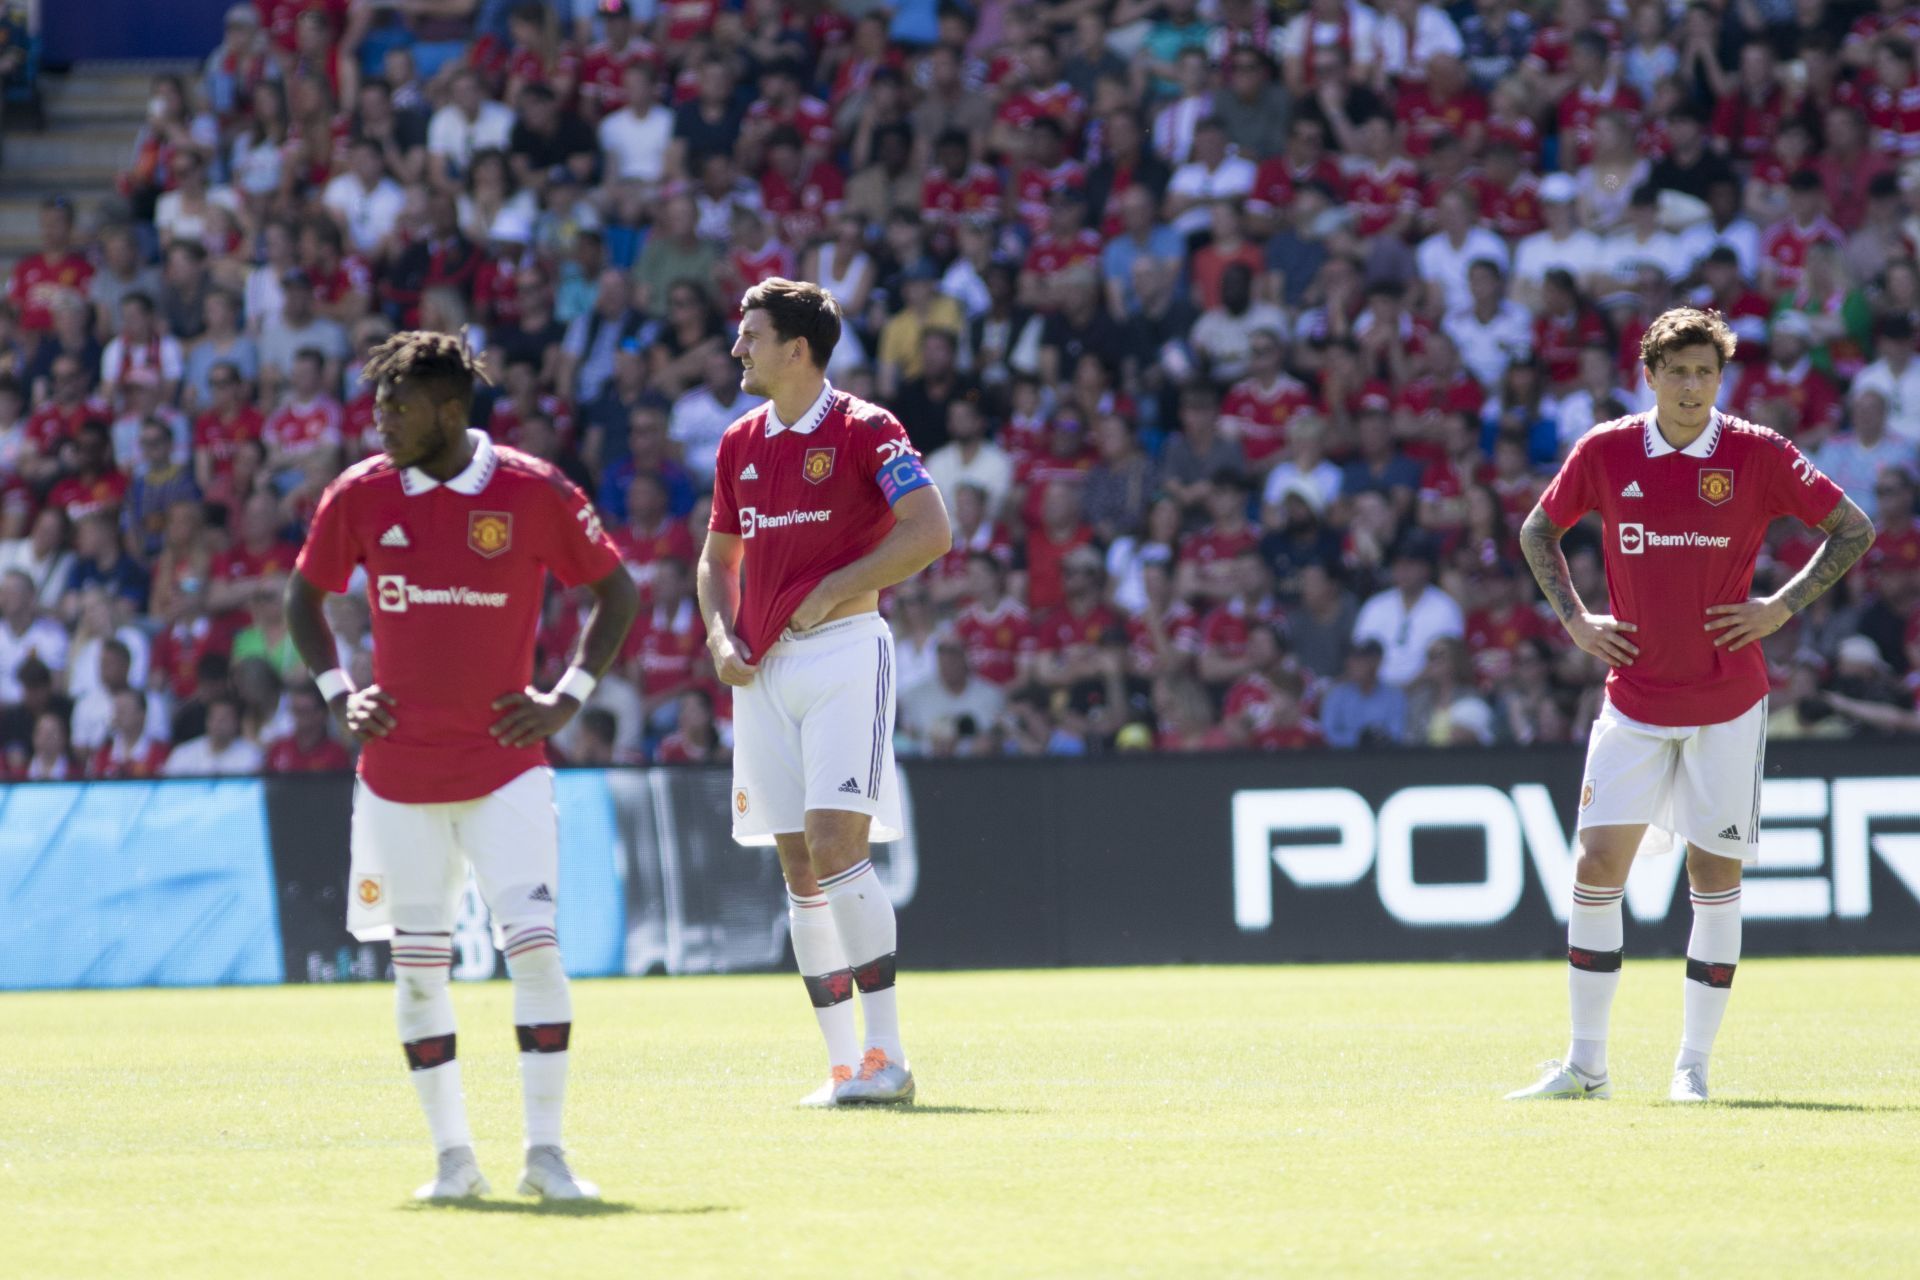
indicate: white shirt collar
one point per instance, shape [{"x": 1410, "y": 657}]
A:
[
  {"x": 1702, "y": 446},
  {"x": 809, "y": 421},
  {"x": 469, "y": 483}
]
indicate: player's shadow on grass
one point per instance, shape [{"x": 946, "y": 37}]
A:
[
  {"x": 1796, "y": 1104},
  {"x": 567, "y": 1208},
  {"x": 918, "y": 1110}
]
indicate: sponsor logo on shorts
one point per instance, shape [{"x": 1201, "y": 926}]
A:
[
  {"x": 1636, "y": 538},
  {"x": 368, "y": 890},
  {"x": 1586, "y": 794},
  {"x": 1716, "y": 485},
  {"x": 1731, "y": 833},
  {"x": 740, "y": 800},
  {"x": 395, "y": 594},
  {"x": 850, "y": 787},
  {"x": 816, "y": 465},
  {"x": 752, "y": 522},
  {"x": 489, "y": 533}
]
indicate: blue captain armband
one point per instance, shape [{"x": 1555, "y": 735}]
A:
[{"x": 902, "y": 476}]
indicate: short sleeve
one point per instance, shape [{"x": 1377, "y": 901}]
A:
[
  {"x": 1799, "y": 488},
  {"x": 724, "y": 513},
  {"x": 890, "y": 458},
  {"x": 578, "y": 549},
  {"x": 1571, "y": 495},
  {"x": 331, "y": 552}
]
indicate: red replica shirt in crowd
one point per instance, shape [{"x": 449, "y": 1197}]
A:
[
  {"x": 298, "y": 427},
  {"x": 809, "y": 117},
  {"x": 114, "y": 760},
  {"x": 285, "y": 755},
  {"x": 1681, "y": 529},
  {"x": 807, "y": 499},
  {"x": 1380, "y": 195},
  {"x": 641, "y": 549},
  {"x": 1061, "y": 629},
  {"x": 945, "y": 199},
  {"x": 994, "y": 640},
  {"x": 53, "y": 423},
  {"x": 1257, "y": 416},
  {"x": 455, "y": 575},
  {"x": 220, "y": 438},
  {"x": 1512, "y": 211},
  {"x": 1786, "y": 245},
  {"x": 669, "y": 648},
  {"x": 39, "y": 281},
  {"x": 81, "y": 498},
  {"x": 1815, "y": 404}
]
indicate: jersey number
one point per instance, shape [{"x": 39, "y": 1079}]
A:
[{"x": 589, "y": 523}]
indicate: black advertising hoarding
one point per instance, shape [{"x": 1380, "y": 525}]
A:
[{"x": 1414, "y": 855}]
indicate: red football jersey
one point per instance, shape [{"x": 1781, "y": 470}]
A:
[
  {"x": 1257, "y": 416},
  {"x": 994, "y": 640},
  {"x": 39, "y": 282},
  {"x": 974, "y": 194},
  {"x": 455, "y": 576},
  {"x": 1681, "y": 530},
  {"x": 807, "y": 499},
  {"x": 220, "y": 438},
  {"x": 298, "y": 427},
  {"x": 669, "y": 649}
]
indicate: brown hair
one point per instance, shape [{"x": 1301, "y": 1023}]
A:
[
  {"x": 1686, "y": 327},
  {"x": 798, "y": 310},
  {"x": 440, "y": 364}
]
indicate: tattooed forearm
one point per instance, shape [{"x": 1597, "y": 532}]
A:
[
  {"x": 1849, "y": 534},
  {"x": 1540, "y": 544}
]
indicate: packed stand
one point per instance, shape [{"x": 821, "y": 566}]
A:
[{"x": 1239, "y": 340}]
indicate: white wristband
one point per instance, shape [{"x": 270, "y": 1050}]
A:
[
  {"x": 333, "y": 683},
  {"x": 576, "y": 684}
]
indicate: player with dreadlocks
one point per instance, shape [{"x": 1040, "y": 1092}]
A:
[{"x": 455, "y": 536}]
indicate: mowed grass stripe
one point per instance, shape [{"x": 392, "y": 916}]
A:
[{"x": 1339, "y": 1120}]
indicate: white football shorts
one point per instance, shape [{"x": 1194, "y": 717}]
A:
[
  {"x": 1699, "y": 783},
  {"x": 410, "y": 860},
  {"x": 815, "y": 731}
]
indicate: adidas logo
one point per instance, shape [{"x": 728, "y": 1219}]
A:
[
  {"x": 395, "y": 537},
  {"x": 1731, "y": 833},
  {"x": 1632, "y": 490},
  {"x": 540, "y": 894},
  {"x": 750, "y": 473},
  {"x": 850, "y": 787}
]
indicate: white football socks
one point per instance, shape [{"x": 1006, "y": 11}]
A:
[
  {"x": 863, "y": 914},
  {"x": 1713, "y": 951},
  {"x": 822, "y": 962},
  {"x": 424, "y": 1014},
  {"x": 1595, "y": 932},
  {"x": 543, "y": 1023}
]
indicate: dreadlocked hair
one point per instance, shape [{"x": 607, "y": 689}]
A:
[{"x": 440, "y": 364}]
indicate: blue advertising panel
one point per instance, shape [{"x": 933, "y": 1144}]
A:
[{"x": 124, "y": 884}]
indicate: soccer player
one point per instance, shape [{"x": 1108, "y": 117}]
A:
[
  {"x": 456, "y": 536},
  {"x": 819, "y": 501},
  {"x": 1685, "y": 494}
]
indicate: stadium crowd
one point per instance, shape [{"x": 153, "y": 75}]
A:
[{"x": 1238, "y": 336}]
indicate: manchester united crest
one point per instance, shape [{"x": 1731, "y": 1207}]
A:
[
  {"x": 1586, "y": 794},
  {"x": 489, "y": 532},
  {"x": 816, "y": 465},
  {"x": 369, "y": 890},
  {"x": 1716, "y": 485},
  {"x": 740, "y": 800}
]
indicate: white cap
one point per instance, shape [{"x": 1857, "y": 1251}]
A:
[{"x": 1558, "y": 188}]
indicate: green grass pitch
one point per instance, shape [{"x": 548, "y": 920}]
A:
[{"x": 1304, "y": 1121}]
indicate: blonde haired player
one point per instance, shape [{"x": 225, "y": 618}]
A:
[
  {"x": 456, "y": 536},
  {"x": 819, "y": 502},
  {"x": 1685, "y": 495}
]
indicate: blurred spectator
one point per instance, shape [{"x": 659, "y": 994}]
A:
[
  {"x": 1359, "y": 709},
  {"x": 1408, "y": 617},
  {"x": 934, "y": 708},
  {"x": 220, "y": 750},
  {"x": 310, "y": 748}
]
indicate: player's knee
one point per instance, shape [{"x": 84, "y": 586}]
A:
[
  {"x": 540, "y": 994},
  {"x": 422, "y": 1006}
]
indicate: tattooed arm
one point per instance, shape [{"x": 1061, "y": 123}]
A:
[
  {"x": 1849, "y": 534},
  {"x": 1596, "y": 633}
]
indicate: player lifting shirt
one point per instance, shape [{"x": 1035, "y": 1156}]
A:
[
  {"x": 1685, "y": 494},
  {"x": 456, "y": 536},
  {"x": 819, "y": 502}
]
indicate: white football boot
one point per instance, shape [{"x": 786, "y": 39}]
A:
[
  {"x": 1561, "y": 1082},
  {"x": 828, "y": 1094},
  {"x": 1689, "y": 1084},
  {"x": 880, "y": 1082},
  {"x": 548, "y": 1177},
  {"x": 458, "y": 1178}
]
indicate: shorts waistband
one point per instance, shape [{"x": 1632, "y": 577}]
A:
[{"x": 859, "y": 624}]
